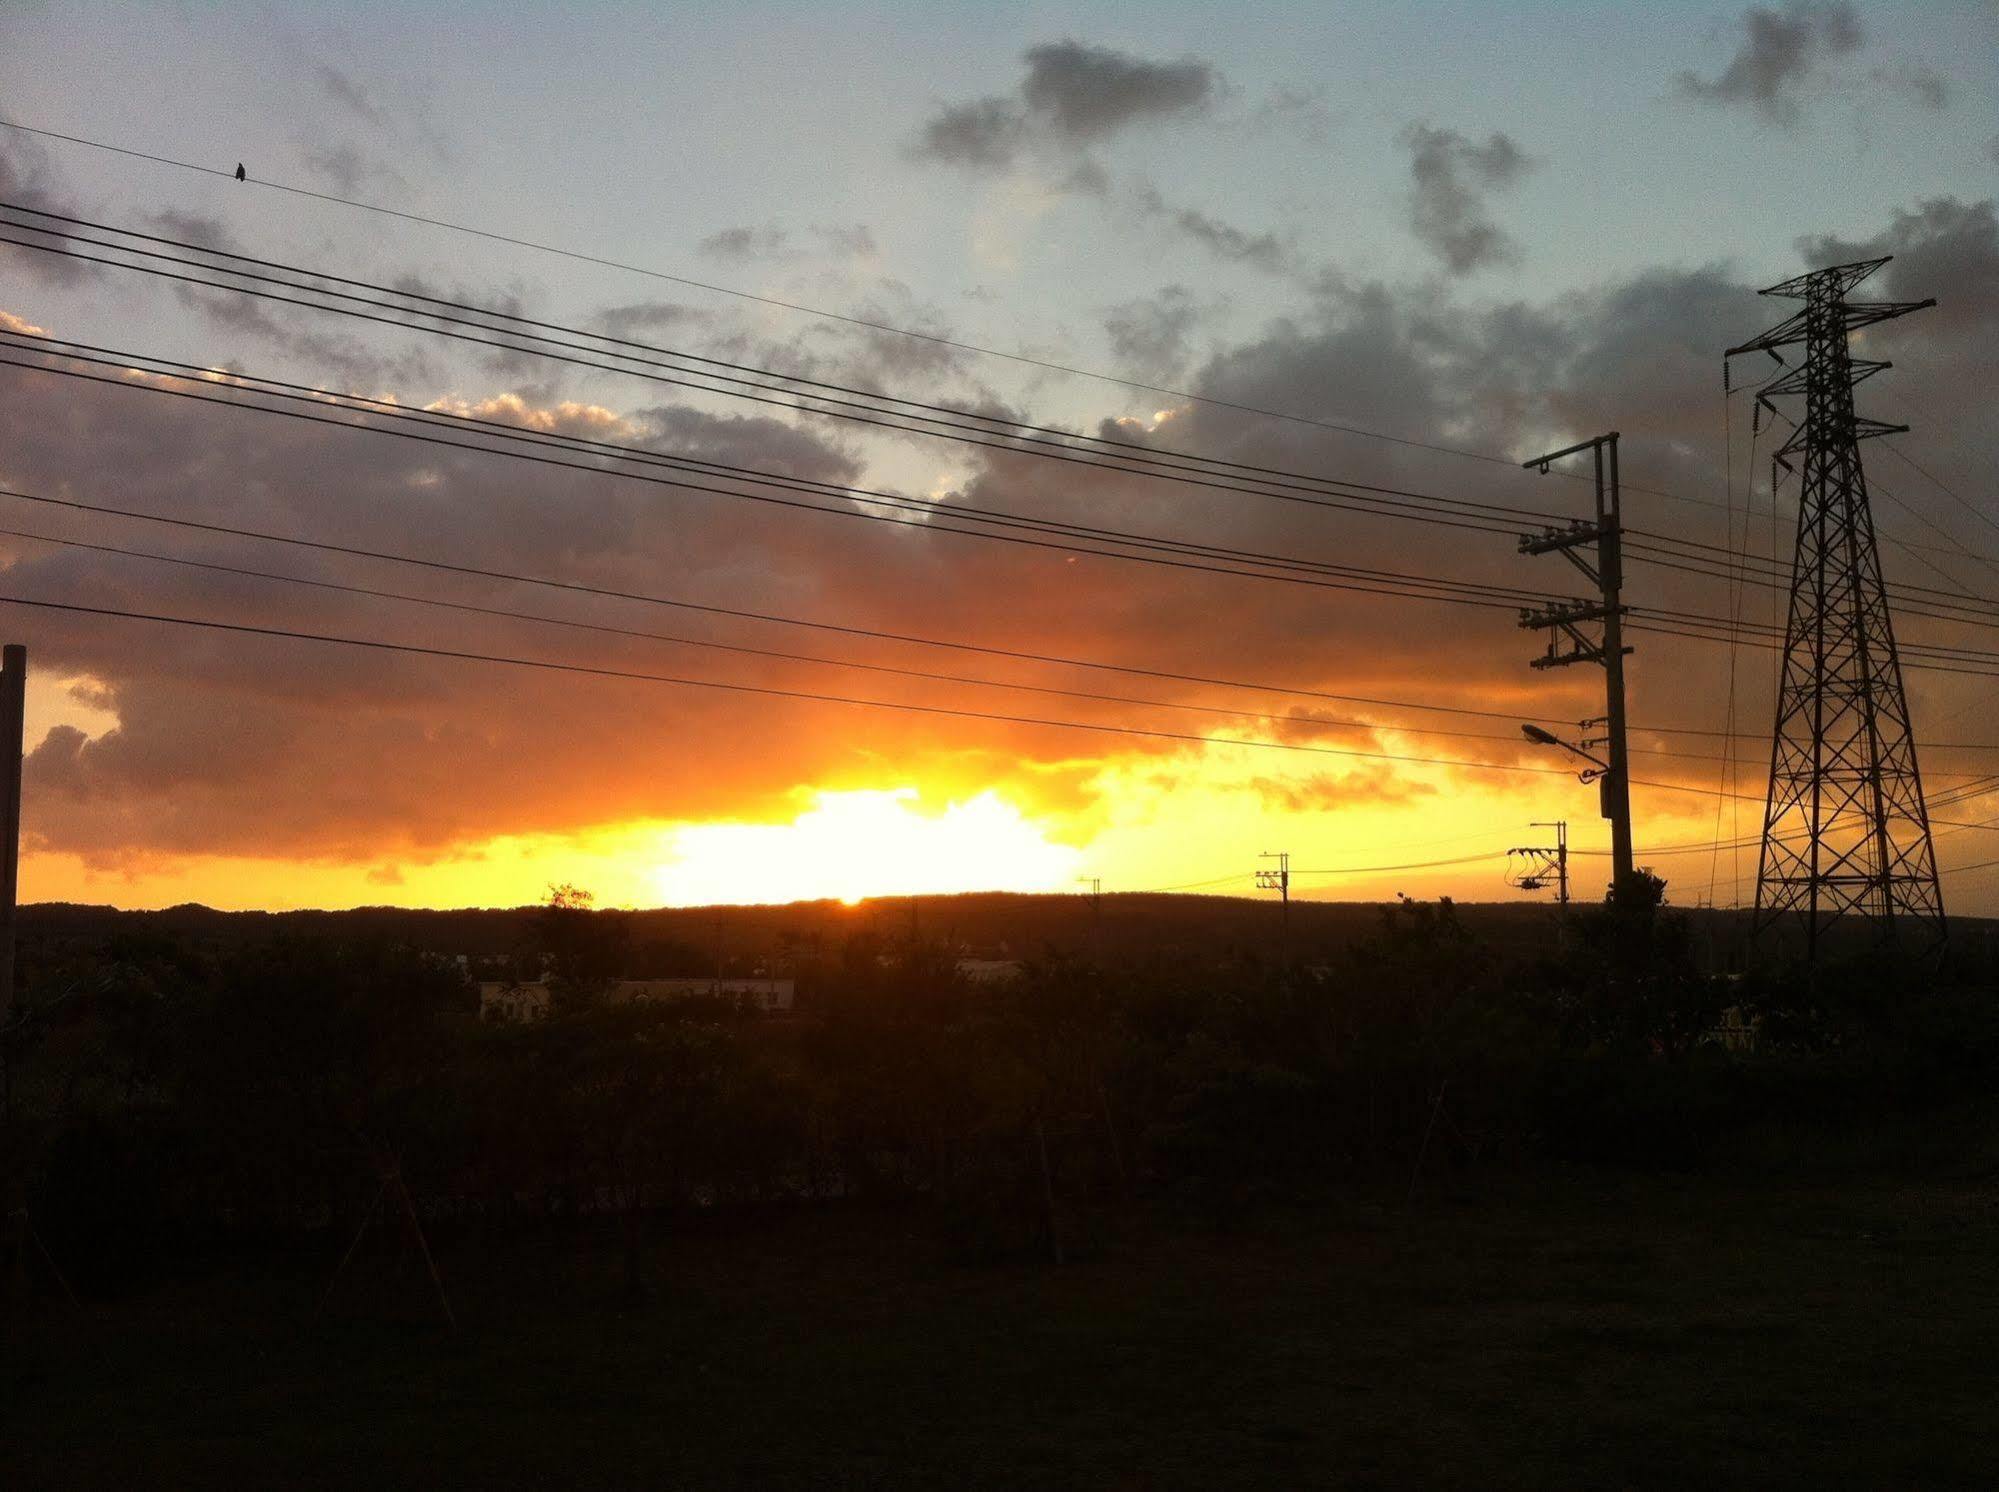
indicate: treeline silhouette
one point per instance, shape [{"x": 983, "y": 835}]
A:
[{"x": 167, "y": 1095}]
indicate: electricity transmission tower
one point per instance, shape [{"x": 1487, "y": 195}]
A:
[
  {"x": 1569, "y": 619},
  {"x": 1845, "y": 828}
]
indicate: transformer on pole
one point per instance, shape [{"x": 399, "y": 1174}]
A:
[
  {"x": 1542, "y": 863},
  {"x": 1845, "y": 827},
  {"x": 1278, "y": 880}
]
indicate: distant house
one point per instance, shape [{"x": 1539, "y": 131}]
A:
[
  {"x": 989, "y": 970},
  {"x": 1736, "y": 1031},
  {"x": 528, "y": 999},
  {"x": 513, "y": 1000}
]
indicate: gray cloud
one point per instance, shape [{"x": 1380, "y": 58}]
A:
[
  {"x": 770, "y": 241},
  {"x": 1779, "y": 50},
  {"x": 855, "y": 241},
  {"x": 646, "y": 316},
  {"x": 1289, "y": 111},
  {"x": 1452, "y": 176},
  {"x": 1085, "y": 93},
  {"x": 350, "y": 95},
  {"x": 982, "y": 135},
  {"x": 1073, "y": 96},
  {"x": 1224, "y": 240},
  {"x": 349, "y": 169},
  {"x": 1918, "y": 81},
  {"x": 743, "y": 243},
  {"x": 1151, "y": 336},
  {"x": 26, "y": 177},
  {"x": 1944, "y": 247}
]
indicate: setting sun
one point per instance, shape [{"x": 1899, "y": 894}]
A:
[{"x": 853, "y": 845}]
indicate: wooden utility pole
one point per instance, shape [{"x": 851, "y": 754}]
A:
[
  {"x": 13, "y": 704},
  {"x": 13, "y": 699},
  {"x": 1278, "y": 880}
]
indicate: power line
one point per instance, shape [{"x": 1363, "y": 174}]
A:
[
  {"x": 1126, "y": 451},
  {"x": 863, "y": 322},
  {"x": 809, "y": 696},
  {"x": 515, "y": 324},
  {"x": 1053, "y": 659},
  {"x": 514, "y": 614},
  {"x": 924, "y": 513},
  {"x": 1318, "y": 573},
  {"x": 1076, "y": 449},
  {"x": 769, "y": 691}
]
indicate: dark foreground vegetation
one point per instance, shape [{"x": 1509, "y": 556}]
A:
[{"x": 1421, "y": 1205}]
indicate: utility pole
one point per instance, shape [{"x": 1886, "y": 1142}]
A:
[
  {"x": 13, "y": 703},
  {"x": 1566, "y": 620},
  {"x": 1278, "y": 880},
  {"x": 1561, "y": 828},
  {"x": 1096, "y": 885},
  {"x": 1845, "y": 827},
  {"x": 1096, "y": 897},
  {"x": 1546, "y": 858}
]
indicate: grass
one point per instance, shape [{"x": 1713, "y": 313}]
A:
[{"x": 1582, "y": 1331}]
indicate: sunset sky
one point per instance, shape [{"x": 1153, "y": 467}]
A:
[{"x": 1493, "y": 229}]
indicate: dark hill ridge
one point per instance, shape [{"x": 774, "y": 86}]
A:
[{"x": 980, "y": 923}]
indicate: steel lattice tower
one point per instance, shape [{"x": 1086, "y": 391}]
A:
[{"x": 1845, "y": 828}]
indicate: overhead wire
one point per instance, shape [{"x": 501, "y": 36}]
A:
[
  {"x": 1126, "y": 451},
  {"x": 865, "y": 323},
  {"x": 927, "y": 513},
  {"x": 467, "y": 655}
]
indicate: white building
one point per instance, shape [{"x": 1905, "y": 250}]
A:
[
  {"x": 989, "y": 970},
  {"x": 527, "y": 999}
]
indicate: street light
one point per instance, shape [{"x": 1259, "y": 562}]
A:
[{"x": 1598, "y": 766}]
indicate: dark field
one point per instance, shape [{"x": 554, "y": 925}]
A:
[{"x": 1577, "y": 1331}]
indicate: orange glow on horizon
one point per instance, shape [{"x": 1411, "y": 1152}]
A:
[{"x": 850, "y": 846}]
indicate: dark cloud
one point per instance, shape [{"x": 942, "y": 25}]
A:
[
  {"x": 772, "y": 242},
  {"x": 1943, "y": 247},
  {"x": 745, "y": 243},
  {"x": 647, "y": 316},
  {"x": 348, "y": 93},
  {"x": 1779, "y": 50},
  {"x": 1917, "y": 81},
  {"x": 982, "y": 135},
  {"x": 847, "y": 241},
  {"x": 1151, "y": 336},
  {"x": 1072, "y": 96},
  {"x": 1085, "y": 93},
  {"x": 1225, "y": 241},
  {"x": 348, "y": 169},
  {"x": 27, "y": 178},
  {"x": 1305, "y": 115},
  {"x": 1452, "y": 176}
]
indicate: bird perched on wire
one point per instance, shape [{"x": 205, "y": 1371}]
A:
[{"x": 241, "y": 175}]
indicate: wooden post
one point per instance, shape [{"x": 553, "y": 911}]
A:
[
  {"x": 13, "y": 682},
  {"x": 13, "y": 698}
]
